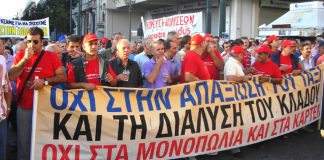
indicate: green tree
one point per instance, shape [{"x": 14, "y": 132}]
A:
[{"x": 58, "y": 12}]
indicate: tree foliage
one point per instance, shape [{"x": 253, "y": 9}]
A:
[{"x": 58, "y": 12}]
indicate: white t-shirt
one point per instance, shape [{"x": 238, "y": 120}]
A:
[{"x": 233, "y": 68}]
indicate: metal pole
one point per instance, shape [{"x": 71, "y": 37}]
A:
[
  {"x": 130, "y": 22},
  {"x": 208, "y": 16},
  {"x": 71, "y": 17},
  {"x": 222, "y": 17},
  {"x": 79, "y": 18}
]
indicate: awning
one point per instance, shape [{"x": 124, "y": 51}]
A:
[{"x": 303, "y": 19}]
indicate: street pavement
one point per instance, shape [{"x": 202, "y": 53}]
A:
[{"x": 301, "y": 146}]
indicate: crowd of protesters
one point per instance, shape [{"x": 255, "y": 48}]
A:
[{"x": 86, "y": 62}]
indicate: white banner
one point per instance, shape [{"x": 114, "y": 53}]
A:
[
  {"x": 184, "y": 24},
  {"x": 19, "y": 29}
]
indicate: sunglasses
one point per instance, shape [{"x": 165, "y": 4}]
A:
[{"x": 34, "y": 41}]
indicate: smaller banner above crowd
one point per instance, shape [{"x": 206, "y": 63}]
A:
[
  {"x": 184, "y": 24},
  {"x": 19, "y": 28}
]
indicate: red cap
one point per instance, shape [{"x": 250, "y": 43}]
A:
[
  {"x": 208, "y": 36},
  {"x": 288, "y": 43},
  {"x": 272, "y": 38},
  {"x": 237, "y": 50},
  {"x": 264, "y": 48},
  {"x": 104, "y": 40},
  {"x": 197, "y": 39},
  {"x": 90, "y": 37}
]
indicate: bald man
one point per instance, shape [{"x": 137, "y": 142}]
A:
[{"x": 56, "y": 49}]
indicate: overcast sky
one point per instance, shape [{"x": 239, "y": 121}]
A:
[{"x": 9, "y": 8}]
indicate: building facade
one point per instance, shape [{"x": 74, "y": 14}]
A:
[{"x": 242, "y": 17}]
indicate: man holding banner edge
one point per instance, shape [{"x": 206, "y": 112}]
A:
[{"x": 25, "y": 70}]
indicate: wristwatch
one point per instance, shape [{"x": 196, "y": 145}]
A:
[{"x": 45, "y": 82}]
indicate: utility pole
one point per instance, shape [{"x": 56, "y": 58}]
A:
[
  {"x": 222, "y": 17},
  {"x": 79, "y": 18},
  {"x": 71, "y": 17},
  {"x": 208, "y": 16}
]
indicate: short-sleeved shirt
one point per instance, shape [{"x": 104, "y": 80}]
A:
[
  {"x": 194, "y": 65},
  {"x": 268, "y": 68},
  {"x": 45, "y": 69},
  {"x": 135, "y": 75},
  {"x": 212, "y": 68},
  {"x": 233, "y": 68},
  {"x": 160, "y": 81},
  {"x": 286, "y": 61}
]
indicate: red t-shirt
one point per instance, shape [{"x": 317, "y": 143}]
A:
[
  {"x": 286, "y": 61},
  {"x": 320, "y": 60},
  {"x": 246, "y": 62},
  {"x": 92, "y": 72},
  {"x": 193, "y": 64},
  {"x": 212, "y": 69},
  {"x": 268, "y": 68},
  {"x": 45, "y": 69}
]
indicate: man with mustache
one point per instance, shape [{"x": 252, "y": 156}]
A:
[{"x": 305, "y": 59}]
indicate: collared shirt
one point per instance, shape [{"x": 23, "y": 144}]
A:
[
  {"x": 175, "y": 66},
  {"x": 306, "y": 65},
  {"x": 141, "y": 59},
  {"x": 233, "y": 68},
  {"x": 135, "y": 76},
  {"x": 164, "y": 71}
]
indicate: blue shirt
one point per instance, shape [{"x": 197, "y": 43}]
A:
[
  {"x": 175, "y": 66},
  {"x": 141, "y": 59},
  {"x": 164, "y": 71}
]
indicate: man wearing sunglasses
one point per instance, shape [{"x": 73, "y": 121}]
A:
[
  {"x": 49, "y": 70},
  {"x": 268, "y": 70}
]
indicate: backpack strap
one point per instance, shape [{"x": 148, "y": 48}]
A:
[{"x": 79, "y": 69}]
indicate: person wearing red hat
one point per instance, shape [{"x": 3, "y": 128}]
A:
[
  {"x": 268, "y": 71},
  {"x": 274, "y": 43},
  {"x": 233, "y": 70},
  {"x": 86, "y": 72},
  {"x": 286, "y": 60},
  {"x": 193, "y": 68},
  {"x": 104, "y": 41},
  {"x": 212, "y": 58}
]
